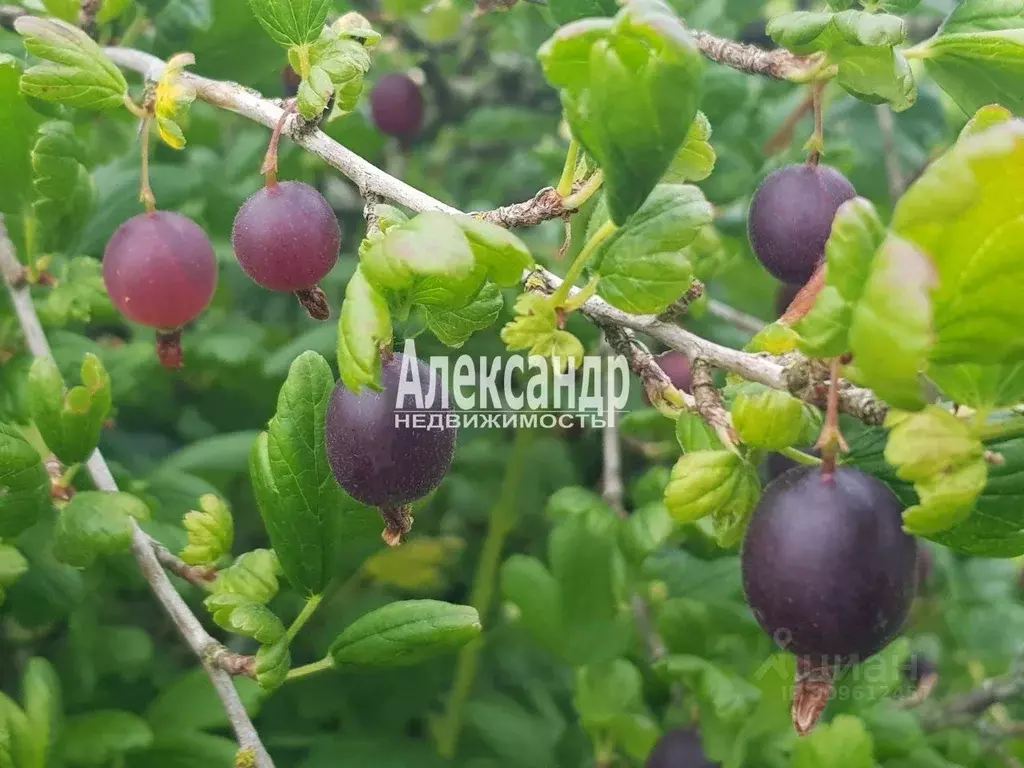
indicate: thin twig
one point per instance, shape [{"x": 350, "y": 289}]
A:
[
  {"x": 209, "y": 650},
  {"x": 709, "y": 402},
  {"x": 779, "y": 64},
  {"x": 731, "y": 315}
]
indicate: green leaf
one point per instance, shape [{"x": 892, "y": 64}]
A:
[
  {"x": 977, "y": 56},
  {"x": 857, "y": 232},
  {"x": 66, "y": 10},
  {"x": 531, "y": 588},
  {"x": 605, "y": 691},
  {"x": 24, "y": 483},
  {"x": 76, "y": 72},
  {"x": 940, "y": 455},
  {"x": 79, "y": 295},
  {"x": 64, "y": 190},
  {"x": 694, "y": 434},
  {"x": 211, "y": 532},
  {"x": 719, "y": 482},
  {"x": 565, "y": 11},
  {"x": 364, "y": 325},
  {"x": 773, "y": 420},
  {"x": 101, "y": 737},
  {"x": 272, "y": 664},
  {"x": 590, "y": 572},
  {"x": 430, "y": 244},
  {"x": 502, "y": 253},
  {"x": 633, "y": 124},
  {"x": 454, "y": 326},
  {"x": 299, "y": 500},
  {"x": 967, "y": 216},
  {"x": 405, "y": 633},
  {"x": 729, "y": 695},
  {"x": 17, "y": 136},
  {"x": 891, "y": 331},
  {"x": 253, "y": 575},
  {"x": 642, "y": 265},
  {"x": 842, "y": 743},
  {"x": 43, "y": 704},
  {"x": 696, "y": 157},
  {"x": 96, "y": 523},
  {"x": 18, "y": 747},
  {"x": 70, "y": 422},
  {"x": 12, "y": 567},
  {"x": 246, "y": 618},
  {"x": 535, "y": 327},
  {"x": 860, "y": 44},
  {"x": 980, "y": 386},
  {"x": 190, "y": 703},
  {"x": 291, "y": 22},
  {"x": 337, "y": 64},
  {"x": 646, "y": 530},
  {"x": 314, "y": 93}
]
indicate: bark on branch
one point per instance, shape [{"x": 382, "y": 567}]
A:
[{"x": 210, "y": 652}]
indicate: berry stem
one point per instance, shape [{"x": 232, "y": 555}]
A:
[
  {"x": 576, "y": 269},
  {"x": 269, "y": 167},
  {"x": 146, "y": 191},
  {"x": 812, "y": 689},
  {"x": 817, "y": 141},
  {"x": 831, "y": 441},
  {"x": 168, "y": 349},
  {"x": 313, "y": 300},
  {"x": 569, "y": 169},
  {"x": 801, "y": 458}
]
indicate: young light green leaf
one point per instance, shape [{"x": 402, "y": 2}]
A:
[
  {"x": 43, "y": 703},
  {"x": 860, "y": 44},
  {"x": 79, "y": 295},
  {"x": 96, "y": 523},
  {"x": 291, "y": 22},
  {"x": 334, "y": 65},
  {"x": 646, "y": 530},
  {"x": 430, "y": 244},
  {"x": 299, "y": 500},
  {"x": 75, "y": 71},
  {"x": 535, "y": 327},
  {"x": 719, "y": 482},
  {"x": 405, "y": 633},
  {"x": 64, "y": 190},
  {"x": 211, "y": 532},
  {"x": 102, "y": 737},
  {"x": 965, "y": 213},
  {"x": 695, "y": 159},
  {"x": 18, "y": 746},
  {"x": 17, "y": 136},
  {"x": 605, "y": 691},
  {"x": 943, "y": 459},
  {"x": 314, "y": 93},
  {"x": 988, "y": 116},
  {"x": 725, "y": 692},
  {"x": 253, "y": 575},
  {"x": 772, "y": 420},
  {"x": 502, "y": 253},
  {"x": 70, "y": 422},
  {"x": 454, "y": 326},
  {"x": 891, "y": 331},
  {"x": 694, "y": 434},
  {"x": 642, "y": 265},
  {"x": 251, "y": 620},
  {"x": 272, "y": 664},
  {"x": 977, "y": 56},
  {"x": 12, "y": 567},
  {"x": 364, "y": 325},
  {"x": 632, "y": 127},
  {"x": 24, "y": 483}
]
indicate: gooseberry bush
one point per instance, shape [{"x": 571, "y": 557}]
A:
[{"x": 227, "y": 538}]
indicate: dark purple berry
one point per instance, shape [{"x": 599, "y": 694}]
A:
[
  {"x": 677, "y": 367},
  {"x": 286, "y": 237},
  {"x": 381, "y": 454},
  {"x": 787, "y": 292},
  {"x": 827, "y": 569},
  {"x": 160, "y": 270},
  {"x": 679, "y": 749},
  {"x": 290, "y": 82},
  {"x": 397, "y": 106},
  {"x": 791, "y": 218}
]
